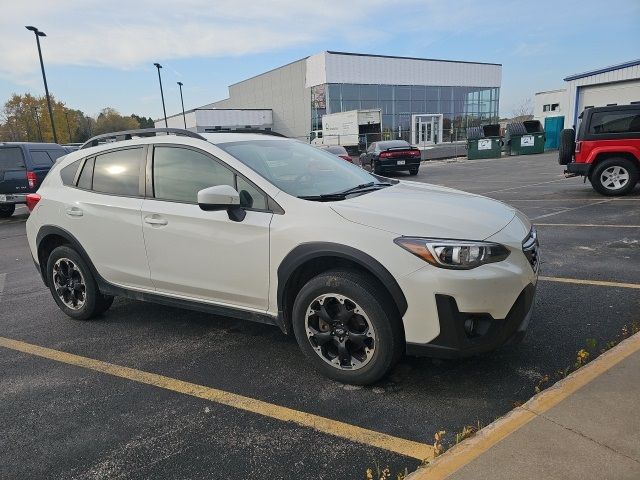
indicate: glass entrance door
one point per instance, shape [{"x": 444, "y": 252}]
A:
[{"x": 426, "y": 129}]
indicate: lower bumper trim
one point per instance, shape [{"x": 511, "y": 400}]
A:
[{"x": 454, "y": 341}]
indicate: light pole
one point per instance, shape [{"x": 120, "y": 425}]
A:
[
  {"x": 184, "y": 119},
  {"x": 158, "y": 66},
  {"x": 39, "y": 34}
]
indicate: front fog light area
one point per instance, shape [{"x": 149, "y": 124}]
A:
[{"x": 455, "y": 254}]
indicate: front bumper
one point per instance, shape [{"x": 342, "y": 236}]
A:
[
  {"x": 455, "y": 341},
  {"x": 578, "y": 168},
  {"x": 12, "y": 198}
]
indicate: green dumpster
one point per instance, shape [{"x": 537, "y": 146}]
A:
[
  {"x": 525, "y": 138},
  {"x": 484, "y": 142}
]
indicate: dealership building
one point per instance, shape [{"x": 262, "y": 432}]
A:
[
  {"x": 614, "y": 85},
  {"x": 291, "y": 99}
]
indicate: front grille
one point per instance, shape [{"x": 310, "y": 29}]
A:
[{"x": 530, "y": 248}]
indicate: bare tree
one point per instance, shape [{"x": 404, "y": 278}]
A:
[{"x": 523, "y": 111}]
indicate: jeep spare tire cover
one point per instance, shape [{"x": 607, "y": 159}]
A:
[{"x": 567, "y": 146}]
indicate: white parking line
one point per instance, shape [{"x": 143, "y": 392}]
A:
[
  {"x": 570, "y": 209},
  {"x": 523, "y": 186},
  {"x": 585, "y": 225}
]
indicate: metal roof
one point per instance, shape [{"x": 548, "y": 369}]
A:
[
  {"x": 409, "y": 58},
  {"x": 611, "y": 68}
]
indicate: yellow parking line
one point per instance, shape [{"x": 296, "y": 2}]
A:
[
  {"x": 600, "y": 283},
  {"x": 610, "y": 225},
  {"x": 349, "y": 432},
  {"x": 470, "y": 449}
]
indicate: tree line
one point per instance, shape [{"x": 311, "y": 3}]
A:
[{"x": 25, "y": 118}]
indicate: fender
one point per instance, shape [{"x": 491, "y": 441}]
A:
[
  {"x": 47, "y": 230},
  {"x": 630, "y": 149},
  {"x": 308, "y": 251}
]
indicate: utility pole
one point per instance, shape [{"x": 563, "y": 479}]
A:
[
  {"x": 39, "y": 34},
  {"x": 184, "y": 118},
  {"x": 158, "y": 66}
]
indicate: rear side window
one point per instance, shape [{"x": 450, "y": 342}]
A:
[
  {"x": 68, "y": 173},
  {"x": 179, "y": 174},
  {"x": 11, "y": 159},
  {"x": 40, "y": 158},
  {"x": 615, "y": 122},
  {"x": 86, "y": 177},
  {"x": 56, "y": 154},
  {"x": 118, "y": 172}
]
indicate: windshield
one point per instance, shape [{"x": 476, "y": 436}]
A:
[{"x": 297, "y": 168}]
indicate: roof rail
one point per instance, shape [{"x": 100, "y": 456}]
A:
[{"x": 142, "y": 132}]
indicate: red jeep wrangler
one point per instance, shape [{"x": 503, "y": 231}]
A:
[{"x": 607, "y": 149}]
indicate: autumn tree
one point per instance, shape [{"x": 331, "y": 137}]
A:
[
  {"x": 25, "y": 118},
  {"x": 109, "y": 120}
]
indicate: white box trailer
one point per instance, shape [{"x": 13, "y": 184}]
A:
[
  {"x": 212, "y": 119},
  {"x": 354, "y": 129}
]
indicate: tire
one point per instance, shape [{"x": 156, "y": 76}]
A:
[
  {"x": 413, "y": 171},
  {"x": 378, "y": 328},
  {"x": 68, "y": 273},
  {"x": 7, "y": 210},
  {"x": 567, "y": 146},
  {"x": 614, "y": 176}
]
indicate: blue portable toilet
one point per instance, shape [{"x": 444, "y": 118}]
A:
[{"x": 552, "y": 127}]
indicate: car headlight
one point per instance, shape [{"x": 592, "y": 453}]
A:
[{"x": 455, "y": 254}]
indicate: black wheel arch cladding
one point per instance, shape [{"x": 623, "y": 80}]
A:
[{"x": 306, "y": 252}]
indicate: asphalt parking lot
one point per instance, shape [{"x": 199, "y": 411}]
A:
[{"x": 63, "y": 417}]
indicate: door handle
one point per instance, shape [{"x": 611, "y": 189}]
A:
[
  {"x": 155, "y": 220},
  {"x": 74, "y": 211}
]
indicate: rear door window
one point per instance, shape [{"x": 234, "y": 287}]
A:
[
  {"x": 615, "y": 122},
  {"x": 11, "y": 158},
  {"x": 118, "y": 172}
]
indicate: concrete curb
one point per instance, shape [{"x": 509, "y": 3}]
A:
[{"x": 468, "y": 450}]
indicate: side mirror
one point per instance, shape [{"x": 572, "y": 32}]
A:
[{"x": 222, "y": 197}]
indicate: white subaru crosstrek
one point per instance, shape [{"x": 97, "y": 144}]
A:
[{"x": 359, "y": 267}]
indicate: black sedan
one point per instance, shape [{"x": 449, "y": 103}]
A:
[{"x": 391, "y": 156}]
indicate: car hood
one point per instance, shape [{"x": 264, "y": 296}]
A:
[{"x": 424, "y": 210}]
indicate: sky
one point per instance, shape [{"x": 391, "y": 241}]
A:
[{"x": 100, "y": 53}]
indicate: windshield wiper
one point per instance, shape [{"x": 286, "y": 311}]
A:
[
  {"x": 358, "y": 188},
  {"x": 364, "y": 187}
]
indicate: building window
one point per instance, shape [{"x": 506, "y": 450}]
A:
[
  {"x": 461, "y": 106},
  {"x": 546, "y": 108},
  {"x": 555, "y": 107}
]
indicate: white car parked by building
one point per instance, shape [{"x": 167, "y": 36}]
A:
[{"x": 360, "y": 267}]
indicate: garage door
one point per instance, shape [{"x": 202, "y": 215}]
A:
[{"x": 621, "y": 93}]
